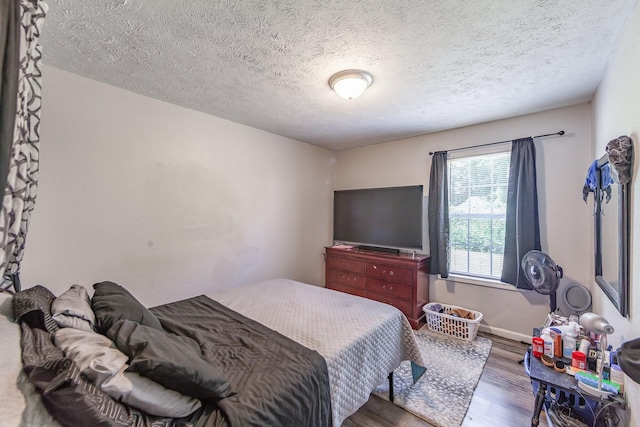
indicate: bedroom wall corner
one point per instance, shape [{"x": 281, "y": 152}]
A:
[
  {"x": 167, "y": 201},
  {"x": 617, "y": 112}
]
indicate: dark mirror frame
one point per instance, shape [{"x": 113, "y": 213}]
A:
[{"x": 617, "y": 293}]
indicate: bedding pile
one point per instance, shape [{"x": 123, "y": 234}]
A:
[{"x": 110, "y": 361}]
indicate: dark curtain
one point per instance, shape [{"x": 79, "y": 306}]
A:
[
  {"x": 522, "y": 232},
  {"x": 9, "y": 55},
  {"x": 439, "y": 215}
]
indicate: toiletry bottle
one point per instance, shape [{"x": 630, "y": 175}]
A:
[
  {"x": 584, "y": 346},
  {"x": 617, "y": 376},
  {"x": 579, "y": 360},
  {"x": 556, "y": 336},
  {"x": 537, "y": 346},
  {"x": 548, "y": 344},
  {"x": 568, "y": 345}
]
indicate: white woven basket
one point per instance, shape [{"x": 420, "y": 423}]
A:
[{"x": 447, "y": 324}]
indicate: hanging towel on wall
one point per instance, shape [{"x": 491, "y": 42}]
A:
[{"x": 591, "y": 181}]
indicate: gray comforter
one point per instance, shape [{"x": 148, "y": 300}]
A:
[{"x": 277, "y": 382}]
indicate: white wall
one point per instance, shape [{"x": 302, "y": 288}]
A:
[
  {"x": 565, "y": 219},
  {"x": 168, "y": 201},
  {"x": 617, "y": 112}
]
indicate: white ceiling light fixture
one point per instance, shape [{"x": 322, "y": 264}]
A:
[{"x": 350, "y": 84}]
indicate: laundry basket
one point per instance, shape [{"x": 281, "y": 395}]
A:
[{"x": 446, "y": 323}]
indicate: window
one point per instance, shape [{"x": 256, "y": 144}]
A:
[{"x": 477, "y": 213}]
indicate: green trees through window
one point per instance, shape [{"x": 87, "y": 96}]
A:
[{"x": 477, "y": 212}]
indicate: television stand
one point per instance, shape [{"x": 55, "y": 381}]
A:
[{"x": 379, "y": 249}]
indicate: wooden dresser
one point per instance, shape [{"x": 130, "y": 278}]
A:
[{"x": 399, "y": 280}]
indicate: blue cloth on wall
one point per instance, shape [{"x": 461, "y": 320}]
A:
[{"x": 591, "y": 181}]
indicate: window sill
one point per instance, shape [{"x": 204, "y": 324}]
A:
[{"x": 477, "y": 281}]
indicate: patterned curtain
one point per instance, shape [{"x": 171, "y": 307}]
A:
[{"x": 22, "y": 180}]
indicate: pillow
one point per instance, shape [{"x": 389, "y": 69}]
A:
[
  {"x": 98, "y": 359},
  {"x": 68, "y": 396},
  {"x": 72, "y": 309},
  {"x": 94, "y": 354},
  {"x": 6, "y": 309},
  {"x": 171, "y": 360},
  {"x": 149, "y": 396},
  {"x": 111, "y": 303},
  {"x": 33, "y": 307},
  {"x": 59, "y": 386}
]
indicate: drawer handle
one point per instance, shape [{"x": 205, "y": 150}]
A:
[
  {"x": 391, "y": 273},
  {"x": 375, "y": 267}
]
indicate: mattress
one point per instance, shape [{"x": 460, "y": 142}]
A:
[{"x": 361, "y": 340}]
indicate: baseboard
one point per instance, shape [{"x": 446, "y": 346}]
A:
[{"x": 516, "y": 336}]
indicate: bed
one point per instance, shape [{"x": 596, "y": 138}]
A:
[{"x": 318, "y": 355}]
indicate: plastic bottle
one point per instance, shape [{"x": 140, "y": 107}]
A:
[
  {"x": 556, "y": 336},
  {"x": 617, "y": 376},
  {"x": 584, "y": 346},
  {"x": 538, "y": 347},
  {"x": 548, "y": 344},
  {"x": 568, "y": 345},
  {"x": 579, "y": 360}
]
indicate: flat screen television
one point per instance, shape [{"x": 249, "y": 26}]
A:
[{"x": 388, "y": 217}]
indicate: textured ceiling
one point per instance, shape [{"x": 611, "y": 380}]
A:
[{"x": 436, "y": 64}]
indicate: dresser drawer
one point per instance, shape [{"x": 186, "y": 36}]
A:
[
  {"x": 348, "y": 279},
  {"x": 401, "y": 280},
  {"x": 392, "y": 274},
  {"x": 385, "y": 287},
  {"x": 402, "y": 305},
  {"x": 346, "y": 264},
  {"x": 348, "y": 289}
]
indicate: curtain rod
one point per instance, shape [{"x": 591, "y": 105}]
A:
[{"x": 500, "y": 142}]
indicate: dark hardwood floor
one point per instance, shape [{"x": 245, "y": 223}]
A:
[{"x": 503, "y": 396}]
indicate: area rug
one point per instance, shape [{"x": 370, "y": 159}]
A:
[{"x": 443, "y": 394}]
